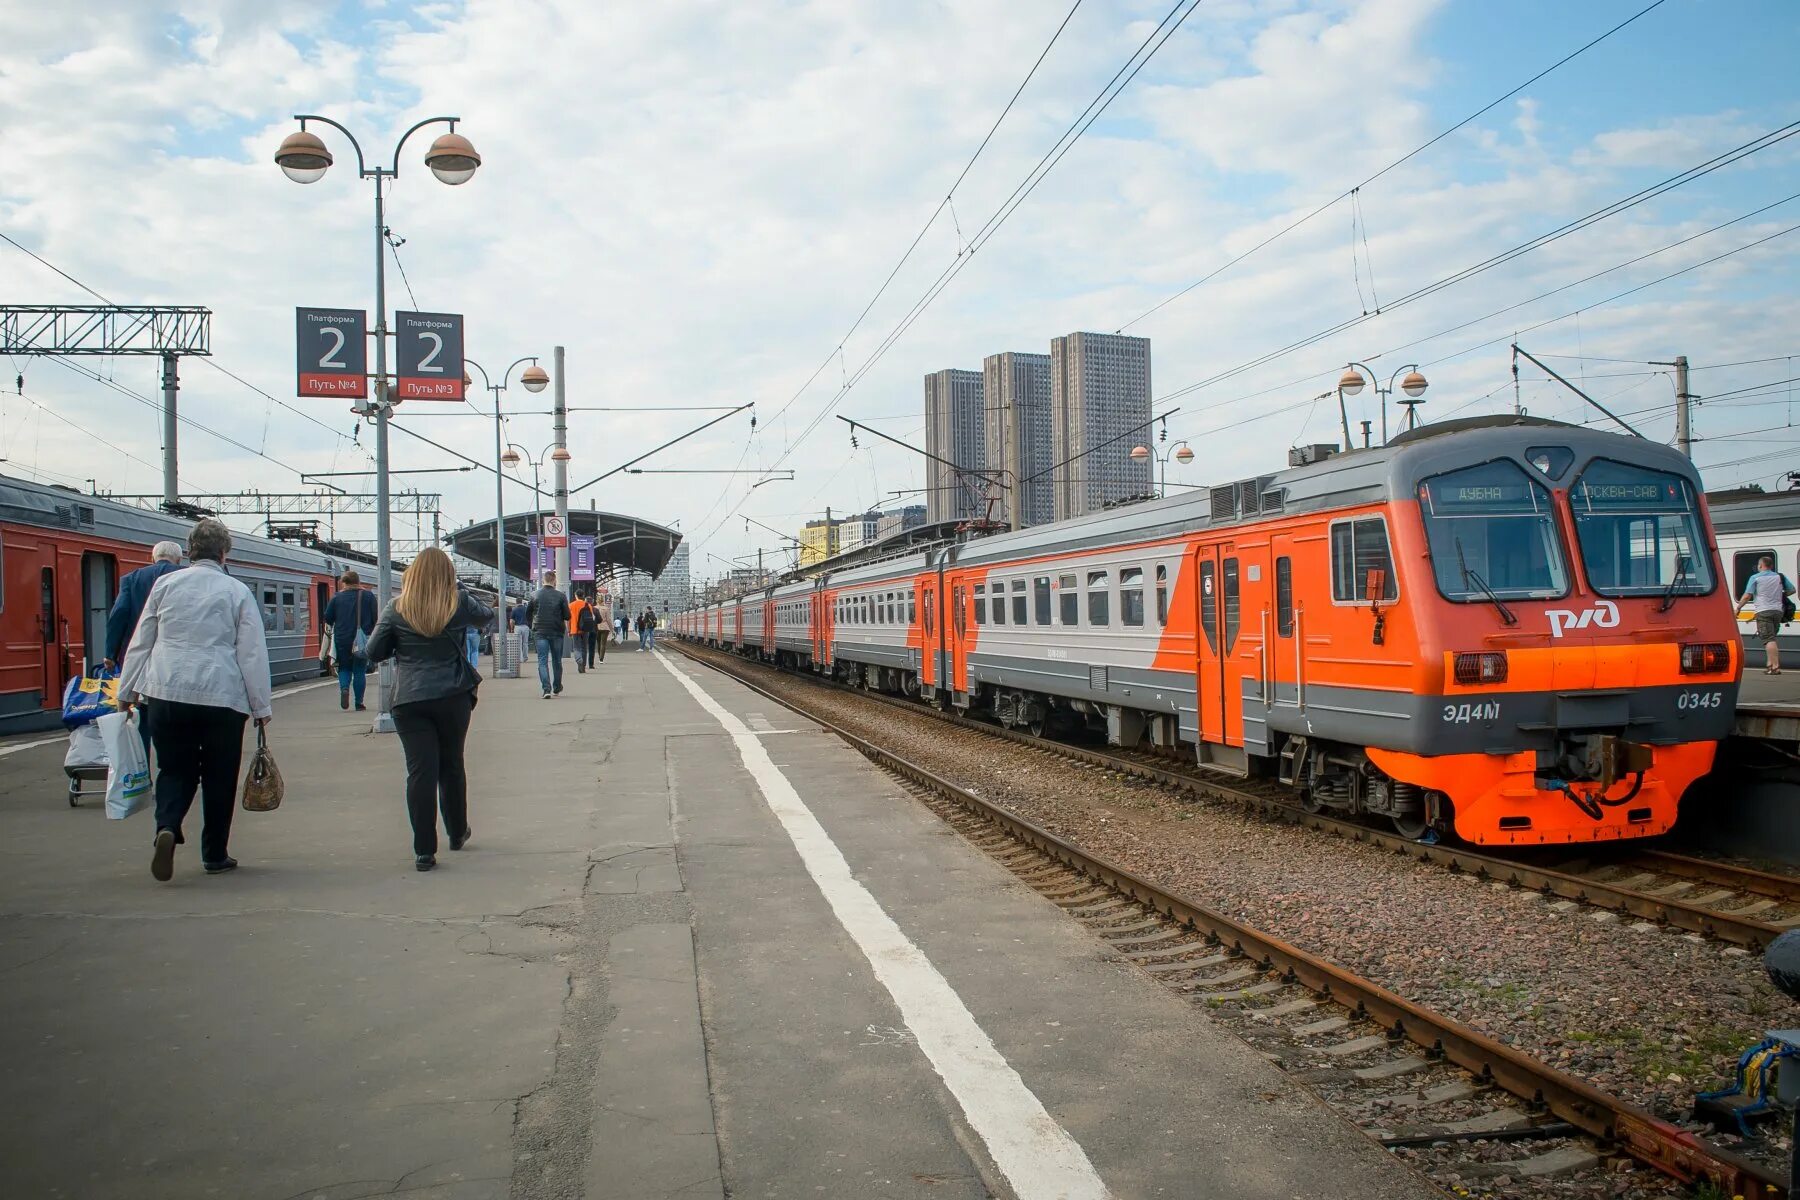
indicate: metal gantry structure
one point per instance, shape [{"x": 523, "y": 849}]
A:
[
  {"x": 68, "y": 330},
  {"x": 272, "y": 505}
]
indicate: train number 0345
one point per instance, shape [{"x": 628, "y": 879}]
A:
[{"x": 1700, "y": 700}]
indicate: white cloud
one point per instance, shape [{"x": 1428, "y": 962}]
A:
[{"x": 697, "y": 200}]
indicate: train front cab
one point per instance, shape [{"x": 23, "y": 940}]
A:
[{"x": 1554, "y": 654}]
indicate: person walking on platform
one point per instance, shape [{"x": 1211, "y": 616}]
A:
[
  {"x": 624, "y": 624},
  {"x": 548, "y": 614},
  {"x": 603, "y": 627},
  {"x": 581, "y": 624},
  {"x": 1767, "y": 593},
  {"x": 122, "y": 621},
  {"x": 425, "y": 631},
  {"x": 649, "y": 629},
  {"x": 350, "y": 615},
  {"x": 199, "y": 662}
]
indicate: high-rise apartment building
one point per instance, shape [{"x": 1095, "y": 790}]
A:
[
  {"x": 858, "y": 530},
  {"x": 956, "y": 432},
  {"x": 899, "y": 520},
  {"x": 1099, "y": 397},
  {"x": 1016, "y": 391}
]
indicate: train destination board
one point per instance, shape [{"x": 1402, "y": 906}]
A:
[{"x": 331, "y": 352}]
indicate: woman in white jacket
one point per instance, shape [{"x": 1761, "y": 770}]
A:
[{"x": 199, "y": 663}]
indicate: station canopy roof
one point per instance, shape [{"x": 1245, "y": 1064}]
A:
[{"x": 622, "y": 542}]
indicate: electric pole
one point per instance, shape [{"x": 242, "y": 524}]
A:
[{"x": 1684, "y": 429}]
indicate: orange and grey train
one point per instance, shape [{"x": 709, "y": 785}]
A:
[{"x": 1508, "y": 630}]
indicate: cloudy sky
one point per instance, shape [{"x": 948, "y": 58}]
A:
[{"x": 699, "y": 201}]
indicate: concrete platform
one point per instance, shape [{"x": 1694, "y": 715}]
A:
[{"x": 697, "y": 948}]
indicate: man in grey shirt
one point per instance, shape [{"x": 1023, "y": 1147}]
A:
[
  {"x": 548, "y": 613},
  {"x": 1767, "y": 592}
]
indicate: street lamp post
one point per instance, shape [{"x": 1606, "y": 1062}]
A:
[
  {"x": 304, "y": 158},
  {"x": 515, "y": 454},
  {"x": 1180, "y": 452},
  {"x": 1414, "y": 385},
  {"x": 535, "y": 380}
]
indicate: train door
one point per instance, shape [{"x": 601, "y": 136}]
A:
[
  {"x": 821, "y": 627},
  {"x": 929, "y": 667},
  {"x": 956, "y": 629},
  {"x": 99, "y": 584},
  {"x": 50, "y": 630},
  {"x": 1219, "y": 592},
  {"x": 322, "y": 597}
]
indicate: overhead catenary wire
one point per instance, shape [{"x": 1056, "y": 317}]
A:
[{"x": 1398, "y": 162}]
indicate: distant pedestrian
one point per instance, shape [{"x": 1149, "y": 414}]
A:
[
  {"x": 649, "y": 629},
  {"x": 424, "y": 631},
  {"x": 548, "y": 615},
  {"x": 122, "y": 621},
  {"x": 624, "y": 624},
  {"x": 587, "y": 632},
  {"x": 351, "y": 617},
  {"x": 580, "y": 623},
  {"x": 603, "y": 627},
  {"x": 1768, "y": 591},
  {"x": 200, "y": 663}
]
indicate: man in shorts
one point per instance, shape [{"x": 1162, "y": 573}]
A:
[{"x": 1766, "y": 594}]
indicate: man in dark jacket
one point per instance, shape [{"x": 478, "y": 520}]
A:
[
  {"x": 134, "y": 589},
  {"x": 548, "y": 613},
  {"x": 351, "y": 609}
]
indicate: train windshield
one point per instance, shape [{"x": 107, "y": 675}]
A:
[
  {"x": 1639, "y": 532},
  {"x": 1492, "y": 533}
]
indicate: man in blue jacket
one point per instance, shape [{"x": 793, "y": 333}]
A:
[
  {"x": 351, "y": 609},
  {"x": 134, "y": 589}
]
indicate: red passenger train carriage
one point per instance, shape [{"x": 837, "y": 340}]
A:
[
  {"x": 1507, "y": 629},
  {"x": 62, "y": 555}
]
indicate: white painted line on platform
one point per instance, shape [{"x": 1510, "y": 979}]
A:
[
  {"x": 61, "y": 739},
  {"x": 1033, "y": 1151}
]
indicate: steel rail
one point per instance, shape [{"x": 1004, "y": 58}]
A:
[{"x": 1658, "y": 1143}]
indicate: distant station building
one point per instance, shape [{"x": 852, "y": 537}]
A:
[
  {"x": 1099, "y": 392},
  {"x": 818, "y": 540},
  {"x": 858, "y": 530},
  {"x": 956, "y": 433},
  {"x": 1017, "y": 393},
  {"x": 899, "y": 520}
]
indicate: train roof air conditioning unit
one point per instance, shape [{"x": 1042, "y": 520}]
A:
[{"x": 1306, "y": 456}]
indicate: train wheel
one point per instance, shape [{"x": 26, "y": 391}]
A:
[
  {"x": 1411, "y": 826},
  {"x": 1037, "y": 725},
  {"x": 1310, "y": 803}
]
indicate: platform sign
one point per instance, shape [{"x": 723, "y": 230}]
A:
[
  {"x": 543, "y": 558},
  {"x": 429, "y": 349},
  {"x": 556, "y": 532},
  {"x": 331, "y": 352},
  {"x": 581, "y": 559}
]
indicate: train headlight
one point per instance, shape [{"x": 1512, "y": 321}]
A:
[
  {"x": 1704, "y": 658},
  {"x": 1481, "y": 668}
]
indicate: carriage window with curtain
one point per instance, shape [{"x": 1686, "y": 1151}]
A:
[
  {"x": 1098, "y": 605},
  {"x": 1070, "y": 599}
]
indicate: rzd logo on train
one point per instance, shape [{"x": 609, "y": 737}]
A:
[{"x": 1603, "y": 615}]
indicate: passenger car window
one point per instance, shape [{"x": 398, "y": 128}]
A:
[
  {"x": 1162, "y": 593},
  {"x": 1209, "y": 602},
  {"x": 1284, "y": 597},
  {"x": 1231, "y": 604},
  {"x": 1040, "y": 600},
  {"x": 1358, "y": 547},
  {"x": 1018, "y": 601},
  {"x": 998, "y": 612},
  {"x": 1098, "y": 608},
  {"x": 1131, "y": 596},
  {"x": 981, "y": 604},
  {"x": 1070, "y": 599}
]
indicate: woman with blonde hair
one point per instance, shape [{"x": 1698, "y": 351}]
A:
[{"x": 434, "y": 693}]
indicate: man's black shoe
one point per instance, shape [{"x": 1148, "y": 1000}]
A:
[
  {"x": 425, "y": 862},
  {"x": 459, "y": 843},
  {"x": 162, "y": 860},
  {"x": 219, "y": 868}
]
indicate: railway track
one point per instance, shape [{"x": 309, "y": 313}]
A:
[
  {"x": 1739, "y": 905},
  {"x": 1410, "y": 1077}
]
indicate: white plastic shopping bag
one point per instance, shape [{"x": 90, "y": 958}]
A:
[
  {"x": 128, "y": 767},
  {"x": 87, "y": 749}
]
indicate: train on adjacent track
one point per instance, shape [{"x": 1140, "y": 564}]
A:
[
  {"x": 1509, "y": 630},
  {"x": 1752, "y": 525},
  {"x": 62, "y": 554}
]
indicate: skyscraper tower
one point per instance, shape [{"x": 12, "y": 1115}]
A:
[
  {"x": 1016, "y": 388},
  {"x": 1099, "y": 395},
  {"x": 954, "y": 431}
]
